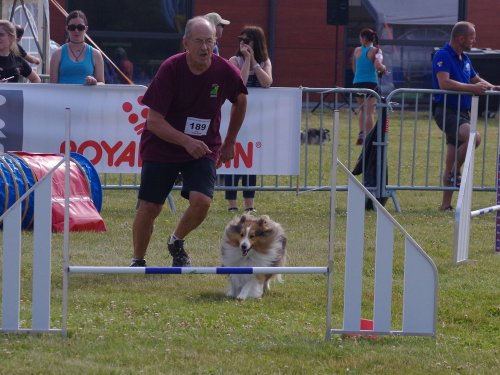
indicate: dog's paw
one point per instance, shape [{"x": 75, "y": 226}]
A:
[
  {"x": 230, "y": 292},
  {"x": 244, "y": 296}
]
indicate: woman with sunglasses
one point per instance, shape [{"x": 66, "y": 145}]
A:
[
  {"x": 12, "y": 65},
  {"x": 252, "y": 59},
  {"x": 76, "y": 61}
]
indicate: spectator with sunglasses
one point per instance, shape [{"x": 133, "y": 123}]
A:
[
  {"x": 77, "y": 62},
  {"x": 219, "y": 24},
  {"x": 253, "y": 61}
]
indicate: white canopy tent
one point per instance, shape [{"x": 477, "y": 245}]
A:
[{"x": 413, "y": 12}]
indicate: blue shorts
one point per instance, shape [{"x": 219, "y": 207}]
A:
[
  {"x": 453, "y": 119},
  {"x": 158, "y": 179}
]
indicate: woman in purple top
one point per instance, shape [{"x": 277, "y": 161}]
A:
[{"x": 182, "y": 136}]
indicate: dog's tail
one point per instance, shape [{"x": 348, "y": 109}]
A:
[
  {"x": 270, "y": 278},
  {"x": 283, "y": 258}
]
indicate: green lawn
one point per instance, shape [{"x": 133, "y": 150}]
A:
[{"x": 185, "y": 324}]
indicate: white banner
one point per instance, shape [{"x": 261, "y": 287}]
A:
[
  {"x": 269, "y": 140},
  {"x": 107, "y": 120}
]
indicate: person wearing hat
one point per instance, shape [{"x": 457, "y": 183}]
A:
[{"x": 219, "y": 24}]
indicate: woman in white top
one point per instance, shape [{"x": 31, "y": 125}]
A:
[{"x": 252, "y": 60}]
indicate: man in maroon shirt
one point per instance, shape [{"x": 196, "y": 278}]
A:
[{"x": 182, "y": 136}]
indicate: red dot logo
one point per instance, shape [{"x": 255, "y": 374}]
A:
[
  {"x": 133, "y": 118},
  {"x": 127, "y": 107},
  {"x": 138, "y": 116}
]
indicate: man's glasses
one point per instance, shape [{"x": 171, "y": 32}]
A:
[
  {"x": 244, "y": 40},
  {"x": 78, "y": 27},
  {"x": 200, "y": 42}
]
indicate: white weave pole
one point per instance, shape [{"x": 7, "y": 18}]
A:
[
  {"x": 331, "y": 239},
  {"x": 65, "y": 286},
  {"x": 464, "y": 200}
]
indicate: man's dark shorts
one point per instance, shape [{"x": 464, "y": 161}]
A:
[
  {"x": 157, "y": 179},
  {"x": 452, "y": 120}
]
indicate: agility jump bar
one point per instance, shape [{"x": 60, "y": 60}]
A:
[
  {"x": 197, "y": 270},
  {"x": 484, "y": 211}
]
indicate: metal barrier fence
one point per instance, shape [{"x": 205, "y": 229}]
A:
[
  {"x": 416, "y": 143},
  {"x": 414, "y": 147}
]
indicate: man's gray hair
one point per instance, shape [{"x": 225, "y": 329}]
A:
[
  {"x": 195, "y": 20},
  {"x": 462, "y": 28}
]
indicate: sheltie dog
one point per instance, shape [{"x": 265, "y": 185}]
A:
[
  {"x": 315, "y": 136},
  {"x": 251, "y": 241}
]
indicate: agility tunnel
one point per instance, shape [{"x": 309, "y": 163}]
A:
[{"x": 19, "y": 171}]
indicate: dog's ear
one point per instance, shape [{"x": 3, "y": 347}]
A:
[
  {"x": 327, "y": 134},
  {"x": 234, "y": 226},
  {"x": 263, "y": 226}
]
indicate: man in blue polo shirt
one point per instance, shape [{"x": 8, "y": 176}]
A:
[{"x": 452, "y": 70}]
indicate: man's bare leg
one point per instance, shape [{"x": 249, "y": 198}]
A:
[
  {"x": 452, "y": 168},
  {"x": 195, "y": 214},
  {"x": 143, "y": 226}
]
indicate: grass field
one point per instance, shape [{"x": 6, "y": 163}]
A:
[{"x": 185, "y": 325}]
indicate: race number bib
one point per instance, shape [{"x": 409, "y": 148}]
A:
[{"x": 196, "y": 126}]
